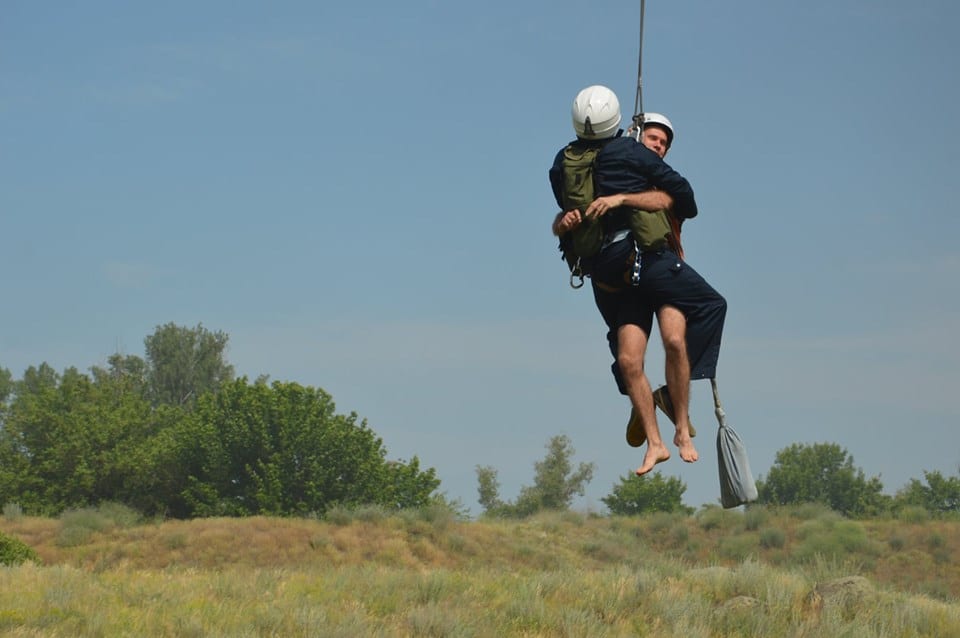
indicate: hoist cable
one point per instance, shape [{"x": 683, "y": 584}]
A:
[{"x": 638, "y": 100}]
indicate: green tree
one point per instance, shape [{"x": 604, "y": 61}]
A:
[
  {"x": 940, "y": 495},
  {"x": 65, "y": 439},
  {"x": 281, "y": 449},
  {"x": 645, "y": 494},
  {"x": 125, "y": 372},
  {"x": 184, "y": 363},
  {"x": 488, "y": 489},
  {"x": 36, "y": 379},
  {"x": 6, "y": 392},
  {"x": 6, "y": 385},
  {"x": 822, "y": 473},
  {"x": 555, "y": 483}
]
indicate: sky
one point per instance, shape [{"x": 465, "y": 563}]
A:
[{"x": 357, "y": 194}]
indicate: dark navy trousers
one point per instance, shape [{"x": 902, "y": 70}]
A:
[{"x": 665, "y": 279}]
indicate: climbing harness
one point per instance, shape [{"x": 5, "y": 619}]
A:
[{"x": 635, "y": 273}]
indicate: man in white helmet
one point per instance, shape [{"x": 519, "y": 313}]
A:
[{"x": 624, "y": 173}]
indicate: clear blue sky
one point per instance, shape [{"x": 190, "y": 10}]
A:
[{"x": 357, "y": 194}]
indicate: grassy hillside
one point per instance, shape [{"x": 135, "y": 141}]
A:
[{"x": 798, "y": 572}]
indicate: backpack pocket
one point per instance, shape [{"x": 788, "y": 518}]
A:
[{"x": 650, "y": 229}]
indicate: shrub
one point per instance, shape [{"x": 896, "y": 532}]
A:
[
  {"x": 77, "y": 525},
  {"x": 14, "y": 551},
  {"x": 663, "y": 521},
  {"x": 679, "y": 534},
  {"x": 808, "y": 511},
  {"x": 73, "y": 536},
  {"x": 832, "y": 540},
  {"x": 12, "y": 511},
  {"x": 120, "y": 514},
  {"x": 371, "y": 513},
  {"x": 941, "y": 556},
  {"x": 736, "y": 548},
  {"x": 913, "y": 514},
  {"x": 754, "y": 517},
  {"x": 897, "y": 543},
  {"x": 772, "y": 538},
  {"x": 87, "y": 518},
  {"x": 712, "y": 517},
  {"x": 338, "y": 515}
]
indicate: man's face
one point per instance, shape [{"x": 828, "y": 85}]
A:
[{"x": 655, "y": 138}]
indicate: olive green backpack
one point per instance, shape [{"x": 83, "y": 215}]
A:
[{"x": 578, "y": 193}]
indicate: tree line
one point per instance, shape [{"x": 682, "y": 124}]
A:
[
  {"x": 175, "y": 434},
  {"x": 802, "y": 473}
]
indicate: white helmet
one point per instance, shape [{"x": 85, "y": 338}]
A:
[
  {"x": 656, "y": 119},
  {"x": 596, "y": 113}
]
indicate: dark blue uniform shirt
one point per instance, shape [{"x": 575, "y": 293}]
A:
[{"x": 627, "y": 166}]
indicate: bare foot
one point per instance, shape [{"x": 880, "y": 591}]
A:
[
  {"x": 685, "y": 444},
  {"x": 655, "y": 454}
]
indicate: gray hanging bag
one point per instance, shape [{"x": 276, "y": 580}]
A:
[{"x": 736, "y": 481}]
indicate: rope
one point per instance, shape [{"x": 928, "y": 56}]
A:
[{"x": 638, "y": 100}]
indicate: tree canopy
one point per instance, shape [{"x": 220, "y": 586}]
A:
[
  {"x": 184, "y": 363},
  {"x": 651, "y": 492},
  {"x": 174, "y": 435},
  {"x": 821, "y": 473},
  {"x": 555, "y": 483}
]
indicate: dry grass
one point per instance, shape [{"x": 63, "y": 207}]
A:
[{"x": 551, "y": 575}]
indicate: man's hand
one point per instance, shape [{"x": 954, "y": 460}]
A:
[
  {"x": 602, "y": 205},
  {"x": 564, "y": 222}
]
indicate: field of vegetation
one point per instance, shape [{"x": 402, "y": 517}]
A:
[{"x": 800, "y": 571}]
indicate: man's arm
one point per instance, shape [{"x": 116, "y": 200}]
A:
[
  {"x": 648, "y": 200},
  {"x": 665, "y": 178},
  {"x": 564, "y": 222}
]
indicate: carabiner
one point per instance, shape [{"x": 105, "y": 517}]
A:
[{"x": 578, "y": 273}]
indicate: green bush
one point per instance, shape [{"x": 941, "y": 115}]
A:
[
  {"x": 808, "y": 511},
  {"x": 836, "y": 540},
  {"x": 935, "y": 541},
  {"x": 70, "y": 536},
  {"x": 913, "y": 514},
  {"x": 78, "y": 525},
  {"x": 660, "y": 522},
  {"x": 338, "y": 515},
  {"x": 755, "y": 516},
  {"x": 345, "y": 515},
  {"x": 14, "y": 551},
  {"x": 12, "y": 511},
  {"x": 737, "y": 547},
  {"x": 679, "y": 534},
  {"x": 87, "y": 518},
  {"x": 120, "y": 514},
  {"x": 772, "y": 538},
  {"x": 712, "y": 517}
]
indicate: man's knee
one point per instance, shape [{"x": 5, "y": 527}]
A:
[
  {"x": 674, "y": 342},
  {"x": 631, "y": 364},
  {"x": 673, "y": 328}
]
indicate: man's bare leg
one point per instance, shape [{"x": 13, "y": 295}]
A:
[
  {"x": 631, "y": 348},
  {"x": 673, "y": 330}
]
